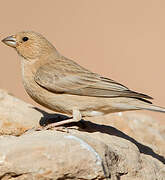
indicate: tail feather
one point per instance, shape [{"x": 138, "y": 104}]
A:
[
  {"x": 151, "y": 107},
  {"x": 127, "y": 104}
]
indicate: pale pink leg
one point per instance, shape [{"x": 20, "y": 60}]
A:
[{"x": 76, "y": 117}]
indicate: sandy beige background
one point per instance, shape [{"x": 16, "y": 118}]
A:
[{"x": 123, "y": 40}]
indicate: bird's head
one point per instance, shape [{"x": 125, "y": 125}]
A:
[{"x": 30, "y": 45}]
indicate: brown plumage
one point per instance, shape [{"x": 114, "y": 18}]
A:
[{"x": 62, "y": 85}]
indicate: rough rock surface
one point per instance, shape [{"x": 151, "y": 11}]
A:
[
  {"x": 121, "y": 146},
  {"x": 16, "y": 116}
]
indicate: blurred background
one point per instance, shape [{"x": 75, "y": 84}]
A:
[{"x": 123, "y": 40}]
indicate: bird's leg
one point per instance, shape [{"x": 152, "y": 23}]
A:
[{"x": 76, "y": 117}]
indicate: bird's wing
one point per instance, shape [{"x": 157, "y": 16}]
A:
[{"x": 68, "y": 77}]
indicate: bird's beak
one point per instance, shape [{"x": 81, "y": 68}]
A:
[{"x": 10, "y": 41}]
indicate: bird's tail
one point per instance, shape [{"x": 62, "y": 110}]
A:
[
  {"x": 151, "y": 107},
  {"x": 126, "y": 104}
]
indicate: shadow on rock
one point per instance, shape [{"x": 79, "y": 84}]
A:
[{"x": 91, "y": 127}]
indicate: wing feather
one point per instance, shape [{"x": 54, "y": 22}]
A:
[{"x": 66, "y": 76}]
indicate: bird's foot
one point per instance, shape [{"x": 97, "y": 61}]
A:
[
  {"x": 56, "y": 128},
  {"x": 49, "y": 126},
  {"x": 59, "y": 126},
  {"x": 76, "y": 118}
]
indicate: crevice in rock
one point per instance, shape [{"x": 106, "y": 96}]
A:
[
  {"x": 118, "y": 176},
  {"x": 10, "y": 175},
  {"x": 68, "y": 176}
]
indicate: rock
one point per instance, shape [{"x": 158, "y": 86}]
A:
[
  {"x": 48, "y": 155},
  {"x": 121, "y": 146},
  {"x": 16, "y": 116}
]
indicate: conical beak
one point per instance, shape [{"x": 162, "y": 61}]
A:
[{"x": 10, "y": 41}]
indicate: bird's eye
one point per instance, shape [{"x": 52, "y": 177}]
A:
[{"x": 25, "y": 39}]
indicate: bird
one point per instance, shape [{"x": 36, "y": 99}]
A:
[{"x": 62, "y": 85}]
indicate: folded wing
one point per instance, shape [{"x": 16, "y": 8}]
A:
[{"x": 68, "y": 77}]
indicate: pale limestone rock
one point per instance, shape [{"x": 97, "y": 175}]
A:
[
  {"x": 49, "y": 154},
  {"x": 16, "y": 116},
  {"x": 125, "y": 146}
]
